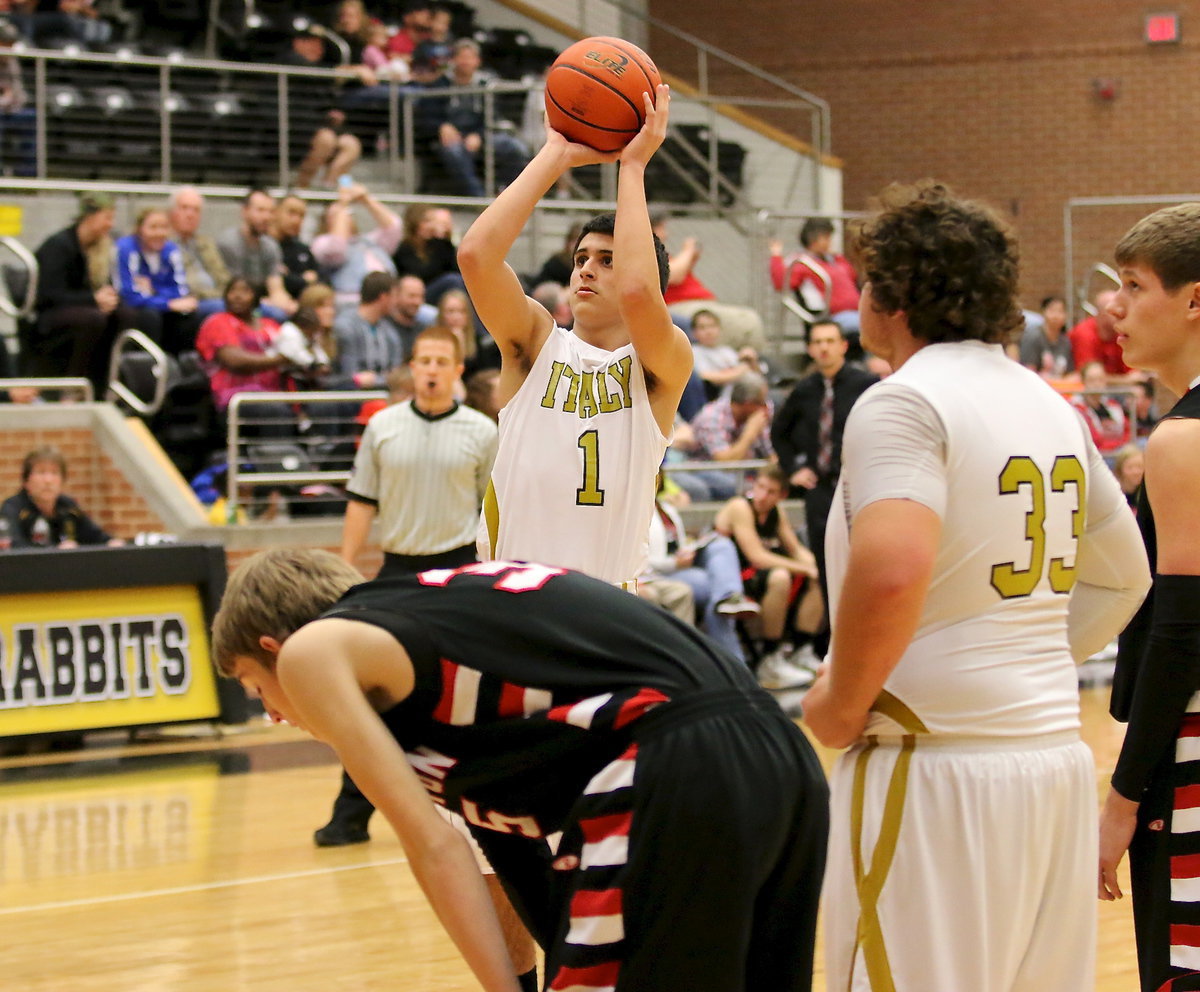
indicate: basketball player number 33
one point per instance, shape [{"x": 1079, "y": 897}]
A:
[{"x": 1021, "y": 472}]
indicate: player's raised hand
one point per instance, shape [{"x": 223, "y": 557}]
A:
[
  {"x": 654, "y": 131},
  {"x": 575, "y": 154}
]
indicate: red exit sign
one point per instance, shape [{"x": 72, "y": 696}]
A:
[{"x": 1162, "y": 28}]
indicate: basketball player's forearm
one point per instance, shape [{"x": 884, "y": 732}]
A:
[
  {"x": 635, "y": 261},
  {"x": 892, "y": 552},
  {"x": 455, "y": 889}
]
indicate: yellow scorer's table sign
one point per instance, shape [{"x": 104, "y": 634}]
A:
[{"x": 127, "y": 650}]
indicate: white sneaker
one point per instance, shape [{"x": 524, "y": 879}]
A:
[
  {"x": 805, "y": 657},
  {"x": 777, "y": 671},
  {"x": 738, "y": 605}
]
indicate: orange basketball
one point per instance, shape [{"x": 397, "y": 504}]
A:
[{"x": 594, "y": 92}]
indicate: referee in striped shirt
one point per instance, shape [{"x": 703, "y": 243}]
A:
[{"x": 422, "y": 468}]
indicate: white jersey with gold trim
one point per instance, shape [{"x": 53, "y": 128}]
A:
[
  {"x": 1006, "y": 465},
  {"x": 573, "y": 480}
]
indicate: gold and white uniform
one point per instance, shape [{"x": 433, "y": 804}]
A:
[
  {"x": 573, "y": 480},
  {"x": 963, "y": 837}
]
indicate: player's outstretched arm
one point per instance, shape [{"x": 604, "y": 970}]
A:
[
  {"x": 1111, "y": 571},
  {"x": 662, "y": 348},
  {"x": 1171, "y": 665},
  {"x": 515, "y": 322},
  {"x": 326, "y": 670}
]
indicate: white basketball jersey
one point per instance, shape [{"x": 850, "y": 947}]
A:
[
  {"x": 573, "y": 480},
  {"x": 1012, "y": 485}
]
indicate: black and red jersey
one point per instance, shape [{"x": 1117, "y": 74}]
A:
[{"x": 529, "y": 680}]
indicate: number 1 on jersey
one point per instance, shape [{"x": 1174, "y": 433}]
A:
[{"x": 590, "y": 493}]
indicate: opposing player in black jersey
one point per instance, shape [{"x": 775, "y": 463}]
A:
[
  {"x": 533, "y": 701},
  {"x": 1153, "y": 807}
]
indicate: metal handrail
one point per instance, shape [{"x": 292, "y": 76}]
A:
[
  {"x": 63, "y": 384},
  {"x": 234, "y": 438},
  {"x": 117, "y": 390},
  {"x": 9, "y": 306},
  {"x": 399, "y": 101},
  {"x": 1099, "y": 269}
]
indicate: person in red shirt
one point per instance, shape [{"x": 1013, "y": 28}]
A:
[
  {"x": 805, "y": 273},
  {"x": 237, "y": 347},
  {"x": 415, "y": 27},
  {"x": 1094, "y": 339}
]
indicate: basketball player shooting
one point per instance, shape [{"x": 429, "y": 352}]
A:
[{"x": 587, "y": 412}]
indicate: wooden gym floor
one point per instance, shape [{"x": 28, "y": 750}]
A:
[{"x": 185, "y": 863}]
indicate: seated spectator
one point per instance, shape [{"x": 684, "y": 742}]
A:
[
  {"x": 456, "y": 314},
  {"x": 416, "y": 26},
  {"x": 76, "y": 321},
  {"x": 685, "y": 294},
  {"x": 557, "y": 301},
  {"x": 733, "y": 429},
  {"x": 151, "y": 280},
  {"x": 426, "y": 251},
  {"x": 354, "y": 26},
  {"x": 344, "y": 254},
  {"x": 41, "y": 515},
  {"x": 299, "y": 265},
  {"x": 1103, "y": 414},
  {"x": 387, "y": 68},
  {"x": 718, "y": 364},
  {"x": 368, "y": 343},
  {"x": 778, "y": 572},
  {"x": 483, "y": 392},
  {"x": 71, "y": 20},
  {"x": 399, "y": 385},
  {"x": 1129, "y": 466},
  {"x": 803, "y": 274},
  {"x": 408, "y": 311},
  {"x": 332, "y": 149},
  {"x": 463, "y": 133},
  {"x": 299, "y": 341},
  {"x": 439, "y": 44},
  {"x": 203, "y": 266},
  {"x": 18, "y": 118},
  {"x": 1094, "y": 339},
  {"x": 238, "y": 347},
  {"x": 1144, "y": 407},
  {"x": 249, "y": 251},
  {"x": 557, "y": 268},
  {"x": 709, "y": 568},
  {"x": 1045, "y": 346},
  {"x": 319, "y": 299}
]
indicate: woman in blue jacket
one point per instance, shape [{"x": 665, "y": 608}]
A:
[{"x": 149, "y": 277}]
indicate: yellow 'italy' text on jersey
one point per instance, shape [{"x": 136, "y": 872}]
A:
[{"x": 573, "y": 480}]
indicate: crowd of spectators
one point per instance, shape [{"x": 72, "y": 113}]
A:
[
  {"x": 444, "y": 76},
  {"x": 268, "y": 311}
]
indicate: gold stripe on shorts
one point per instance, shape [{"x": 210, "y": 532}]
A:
[{"x": 869, "y": 882}]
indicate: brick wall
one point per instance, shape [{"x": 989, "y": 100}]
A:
[
  {"x": 367, "y": 562},
  {"x": 105, "y": 494},
  {"x": 994, "y": 99}
]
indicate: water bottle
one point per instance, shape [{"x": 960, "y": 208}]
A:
[
  {"x": 40, "y": 534},
  {"x": 5, "y": 534}
]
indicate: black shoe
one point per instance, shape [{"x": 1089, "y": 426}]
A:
[{"x": 337, "y": 833}]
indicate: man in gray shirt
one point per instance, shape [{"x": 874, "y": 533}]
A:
[
  {"x": 368, "y": 343},
  {"x": 249, "y": 251}
]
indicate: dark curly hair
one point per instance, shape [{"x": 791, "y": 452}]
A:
[{"x": 950, "y": 265}]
